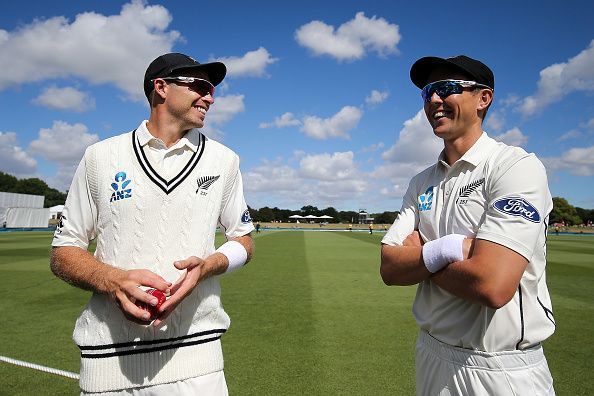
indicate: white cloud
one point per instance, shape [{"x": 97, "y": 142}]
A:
[
  {"x": 321, "y": 180},
  {"x": 376, "y": 97},
  {"x": 271, "y": 177},
  {"x": 13, "y": 159},
  {"x": 252, "y": 64},
  {"x": 560, "y": 79},
  {"x": 225, "y": 108},
  {"x": 285, "y": 120},
  {"x": 573, "y": 134},
  {"x": 338, "y": 125},
  {"x": 373, "y": 147},
  {"x": 67, "y": 98},
  {"x": 416, "y": 143},
  {"x": 213, "y": 133},
  {"x": 63, "y": 143},
  {"x": 352, "y": 39},
  {"x": 328, "y": 167},
  {"x": 513, "y": 137},
  {"x": 495, "y": 121},
  {"x": 590, "y": 124},
  {"x": 577, "y": 161},
  {"x": 113, "y": 49},
  {"x": 415, "y": 149}
]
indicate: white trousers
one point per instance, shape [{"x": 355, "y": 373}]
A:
[
  {"x": 442, "y": 369},
  {"x": 212, "y": 384}
]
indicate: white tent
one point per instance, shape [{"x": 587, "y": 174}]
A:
[
  {"x": 56, "y": 211},
  {"x": 21, "y": 208}
]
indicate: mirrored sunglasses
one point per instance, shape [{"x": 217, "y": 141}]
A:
[
  {"x": 199, "y": 85},
  {"x": 445, "y": 88}
]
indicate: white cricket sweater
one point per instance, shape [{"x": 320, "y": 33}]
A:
[{"x": 145, "y": 221}]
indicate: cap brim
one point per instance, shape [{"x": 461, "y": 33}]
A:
[
  {"x": 421, "y": 69},
  {"x": 216, "y": 71}
]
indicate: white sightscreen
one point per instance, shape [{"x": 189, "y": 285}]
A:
[
  {"x": 27, "y": 217},
  {"x": 13, "y": 200}
]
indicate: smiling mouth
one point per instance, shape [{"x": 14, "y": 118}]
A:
[{"x": 440, "y": 114}]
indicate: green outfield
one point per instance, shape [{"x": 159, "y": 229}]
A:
[{"x": 310, "y": 316}]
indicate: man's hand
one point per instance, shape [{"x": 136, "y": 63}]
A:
[
  {"x": 197, "y": 269},
  {"x": 413, "y": 239},
  {"x": 124, "y": 288}
]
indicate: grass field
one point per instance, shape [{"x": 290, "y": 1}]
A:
[{"x": 310, "y": 315}]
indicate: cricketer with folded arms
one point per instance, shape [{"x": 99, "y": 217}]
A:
[
  {"x": 152, "y": 199},
  {"x": 472, "y": 234}
]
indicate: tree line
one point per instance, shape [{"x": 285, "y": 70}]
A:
[
  {"x": 563, "y": 211},
  {"x": 267, "y": 214},
  {"x": 34, "y": 186}
]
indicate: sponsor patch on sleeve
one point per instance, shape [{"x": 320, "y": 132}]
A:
[
  {"x": 516, "y": 206},
  {"x": 245, "y": 217}
]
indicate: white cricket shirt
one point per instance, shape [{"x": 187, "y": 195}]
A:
[{"x": 497, "y": 193}]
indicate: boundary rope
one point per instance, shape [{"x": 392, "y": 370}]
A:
[{"x": 34, "y": 366}]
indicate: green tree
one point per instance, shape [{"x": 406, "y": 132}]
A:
[
  {"x": 310, "y": 210},
  {"x": 587, "y": 215},
  {"x": 7, "y": 182},
  {"x": 33, "y": 186},
  {"x": 385, "y": 217},
  {"x": 349, "y": 216},
  {"x": 54, "y": 197},
  {"x": 330, "y": 211},
  {"x": 564, "y": 212}
]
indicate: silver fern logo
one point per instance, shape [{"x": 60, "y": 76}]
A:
[
  {"x": 465, "y": 191},
  {"x": 204, "y": 183}
]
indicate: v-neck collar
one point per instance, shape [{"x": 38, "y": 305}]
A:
[{"x": 167, "y": 186}]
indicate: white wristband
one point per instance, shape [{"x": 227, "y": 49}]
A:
[
  {"x": 235, "y": 253},
  {"x": 443, "y": 251}
]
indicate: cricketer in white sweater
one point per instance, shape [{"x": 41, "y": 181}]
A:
[{"x": 143, "y": 218}]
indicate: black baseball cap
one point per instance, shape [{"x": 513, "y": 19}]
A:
[
  {"x": 474, "y": 69},
  {"x": 174, "y": 63}
]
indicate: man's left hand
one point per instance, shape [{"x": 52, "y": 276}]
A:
[{"x": 197, "y": 269}]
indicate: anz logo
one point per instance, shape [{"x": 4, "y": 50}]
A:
[
  {"x": 245, "y": 217},
  {"x": 119, "y": 187},
  {"x": 425, "y": 201}
]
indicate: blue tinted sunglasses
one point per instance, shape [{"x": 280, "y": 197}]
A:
[{"x": 445, "y": 88}]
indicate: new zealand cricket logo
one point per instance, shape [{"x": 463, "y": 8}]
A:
[{"x": 204, "y": 182}]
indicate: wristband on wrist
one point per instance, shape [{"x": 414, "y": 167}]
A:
[
  {"x": 443, "y": 251},
  {"x": 235, "y": 253}
]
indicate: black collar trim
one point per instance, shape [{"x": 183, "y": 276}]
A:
[{"x": 167, "y": 186}]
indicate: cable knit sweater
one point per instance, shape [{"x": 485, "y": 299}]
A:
[{"x": 141, "y": 220}]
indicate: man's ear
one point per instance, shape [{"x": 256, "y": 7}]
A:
[
  {"x": 159, "y": 86},
  {"x": 485, "y": 99}
]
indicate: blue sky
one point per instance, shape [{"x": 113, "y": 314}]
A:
[{"x": 317, "y": 101}]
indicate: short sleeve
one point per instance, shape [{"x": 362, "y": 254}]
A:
[
  {"x": 407, "y": 220},
  {"x": 519, "y": 202},
  {"x": 78, "y": 222},
  {"x": 235, "y": 216}
]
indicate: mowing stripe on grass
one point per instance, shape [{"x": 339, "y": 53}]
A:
[
  {"x": 359, "y": 322},
  {"x": 39, "y": 367},
  {"x": 268, "y": 348}
]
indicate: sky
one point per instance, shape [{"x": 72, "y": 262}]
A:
[{"x": 317, "y": 101}]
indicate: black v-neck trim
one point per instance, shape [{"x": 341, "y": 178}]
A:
[{"x": 167, "y": 186}]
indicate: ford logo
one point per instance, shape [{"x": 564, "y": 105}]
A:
[{"x": 517, "y": 207}]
